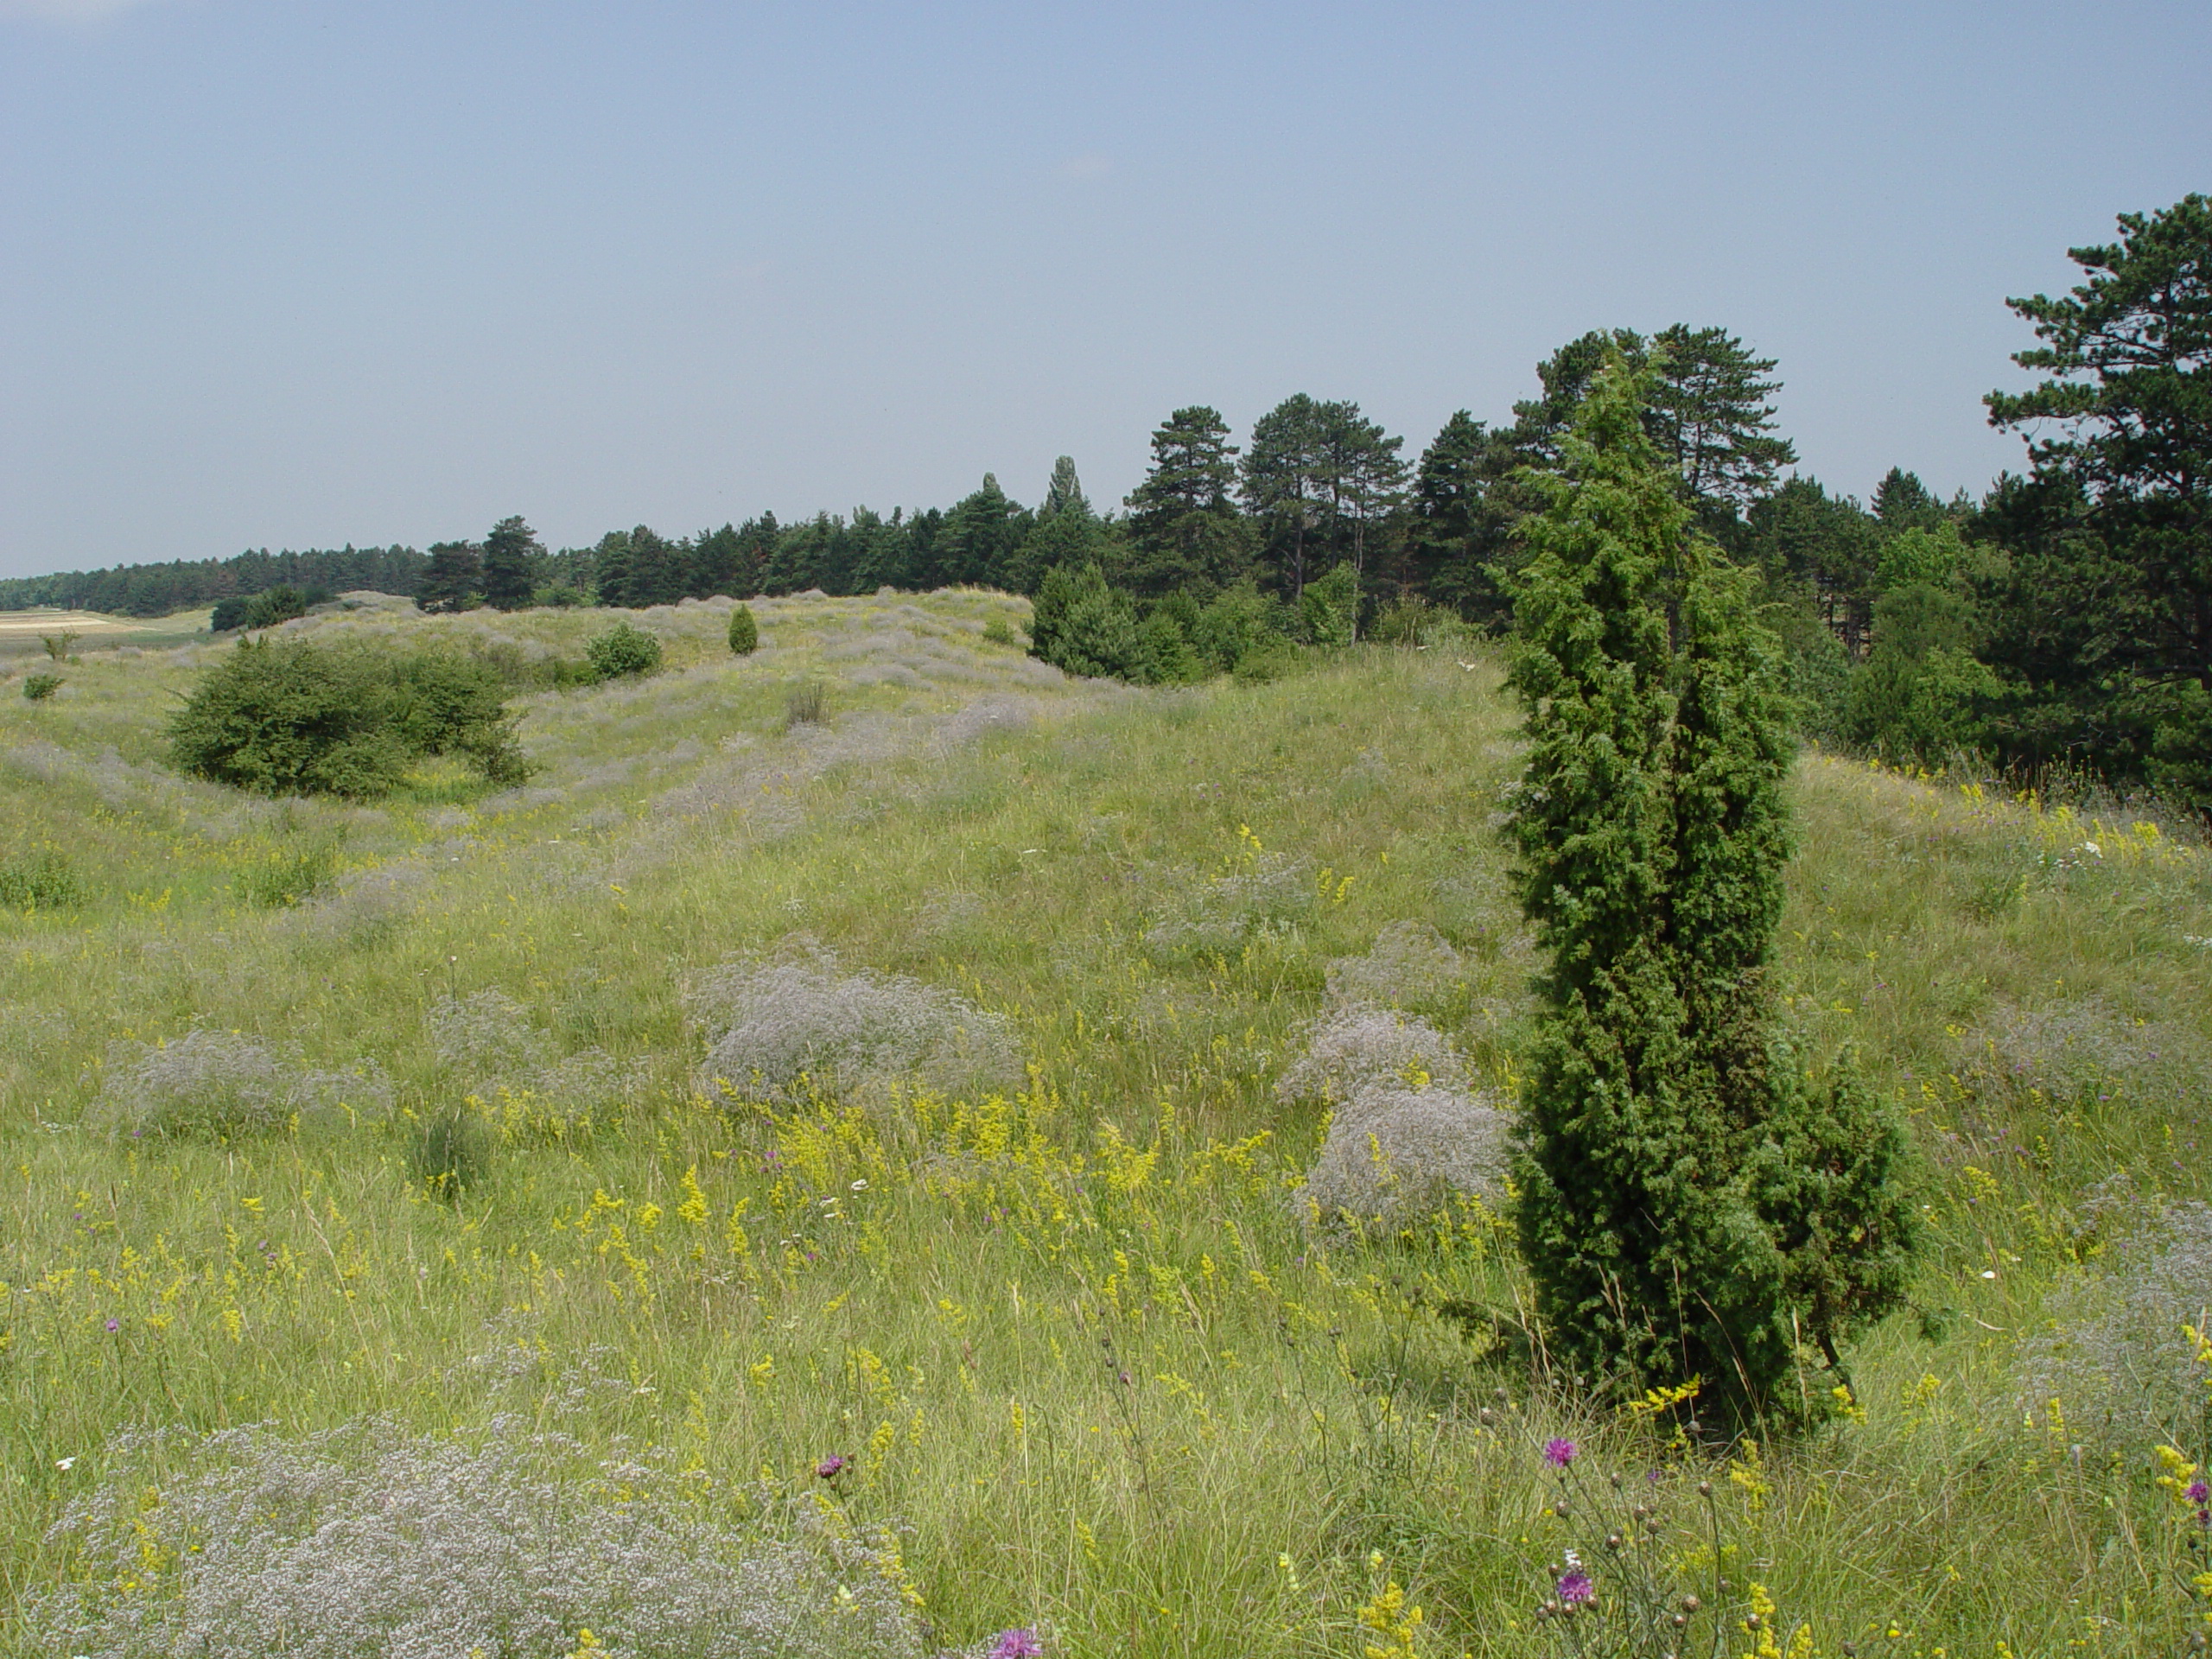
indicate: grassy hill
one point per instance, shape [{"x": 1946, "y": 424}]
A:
[{"x": 1050, "y": 1288}]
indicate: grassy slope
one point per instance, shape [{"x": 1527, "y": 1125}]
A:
[{"x": 1289, "y": 1412}]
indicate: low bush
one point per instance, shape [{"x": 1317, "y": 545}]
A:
[
  {"x": 42, "y": 880},
  {"x": 624, "y": 652},
  {"x": 204, "y": 1084},
  {"x": 1407, "y": 1134},
  {"x": 286, "y": 876},
  {"x": 773, "y": 1025},
  {"x": 39, "y": 687},
  {"x": 362, "y": 1539},
  {"x": 288, "y": 717},
  {"x": 2116, "y": 1350}
]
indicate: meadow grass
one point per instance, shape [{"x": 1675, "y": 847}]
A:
[{"x": 1089, "y": 1361}]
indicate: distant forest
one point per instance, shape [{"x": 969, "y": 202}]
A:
[
  {"x": 2063, "y": 621},
  {"x": 187, "y": 584}
]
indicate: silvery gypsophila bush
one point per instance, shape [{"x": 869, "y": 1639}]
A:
[
  {"x": 218, "y": 1083},
  {"x": 1359, "y": 1047},
  {"x": 1226, "y": 910},
  {"x": 2114, "y": 1353},
  {"x": 363, "y": 1540},
  {"x": 1411, "y": 965},
  {"x": 1406, "y": 1130},
  {"x": 489, "y": 1042},
  {"x": 768, "y": 1023}
]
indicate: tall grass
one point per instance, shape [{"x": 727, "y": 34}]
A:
[{"x": 1091, "y": 1368}]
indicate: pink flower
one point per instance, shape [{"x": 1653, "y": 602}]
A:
[
  {"x": 1559, "y": 1453},
  {"x": 1575, "y": 1588},
  {"x": 1017, "y": 1644},
  {"x": 830, "y": 1467}
]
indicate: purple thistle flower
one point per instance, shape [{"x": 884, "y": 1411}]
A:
[
  {"x": 2198, "y": 1492},
  {"x": 115, "y": 1325},
  {"x": 831, "y": 1466},
  {"x": 1575, "y": 1588},
  {"x": 1020, "y": 1643},
  {"x": 1559, "y": 1453}
]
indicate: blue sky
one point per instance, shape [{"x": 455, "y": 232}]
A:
[{"x": 291, "y": 274}]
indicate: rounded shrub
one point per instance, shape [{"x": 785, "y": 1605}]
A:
[
  {"x": 744, "y": 632},
  {"x": 290, "y": 717},
  {"x": 624, "y": 652},
  {"x": 39, "y": 687}
]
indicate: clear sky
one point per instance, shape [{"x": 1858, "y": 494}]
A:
[{"x": 290, "y": 274}]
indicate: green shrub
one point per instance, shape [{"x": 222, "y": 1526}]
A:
[
  {"x": 1328, "y": 609},
  {"x": 286, "y": 876},
  {"x": 44, "y": 880},
  {"x": 1164, "y": 654},
  {"x": 288, "y": 717},
  {"x": 1237, "y": 621},
  {"x": 624, "y": 652},
  {"x": 559, "y": 596},
  {"x": 1268, "y": 660},
  {"x": 998, "y": 632},
  {"x": 744, "y": 632},
  {"x": 39, "y": 687}
]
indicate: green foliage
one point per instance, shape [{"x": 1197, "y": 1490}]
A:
[
  {"x": 286, "y": 876},
  {"x": 1328, "y": 611},
  {"x": 1163, "y": 654},
  {"x": 285, "y": 717},
  {"x": 37, "y": 688},
  {"x": 1184, "y": 530},
  {"x": 261, "y": 610},
  {"x": 42, "y": 880},
  {"x": 290, "y": 717},
  {"x": 559, "y": 595},
  {"x": 624, "y": 652},
  {"x": 512, "y": 555},
  {"x": 1653, "y": 837},
  {"x": 1921, "y": 694},
  {"x": 450, "y": 1152},
  {"x": 1464, "y": 507},
  {"x": 1082, "y": 627},
  {"x": 1934, "y": 559},
  {"x": 57, "y": 645},
  {"x": 2104, "y": 614},
  {"x": 453, "y": 578},
  {"x": 744, "y": 632},
  {"x": 1318, "y": 478},
  {"x": 1236, "y": 622},
  {"x": 807, "y": 703},
  {"x": 999, "y": 631}
]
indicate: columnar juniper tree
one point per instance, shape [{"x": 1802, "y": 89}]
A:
[{"x": 1689, "y": 1207}]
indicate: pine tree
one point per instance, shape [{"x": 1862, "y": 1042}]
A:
[
  {"x": 1184, "y": 530},
  {"x": 1690, "y": 1207},
  {"x": 453, "y": 579},
  {"x": 512, "y": 554}
]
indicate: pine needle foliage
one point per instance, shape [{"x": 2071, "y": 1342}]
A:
[{"x": 1690, "y": 1207}]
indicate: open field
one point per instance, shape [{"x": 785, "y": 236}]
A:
[
  {"x": 22, "y": 632},
  {"x": 1042, "y": 1275}
]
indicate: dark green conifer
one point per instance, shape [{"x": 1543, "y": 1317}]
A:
[{"x": 1676, "y": 1163}]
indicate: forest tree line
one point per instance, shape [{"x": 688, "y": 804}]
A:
[{"x": 2064, "y": 619}]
